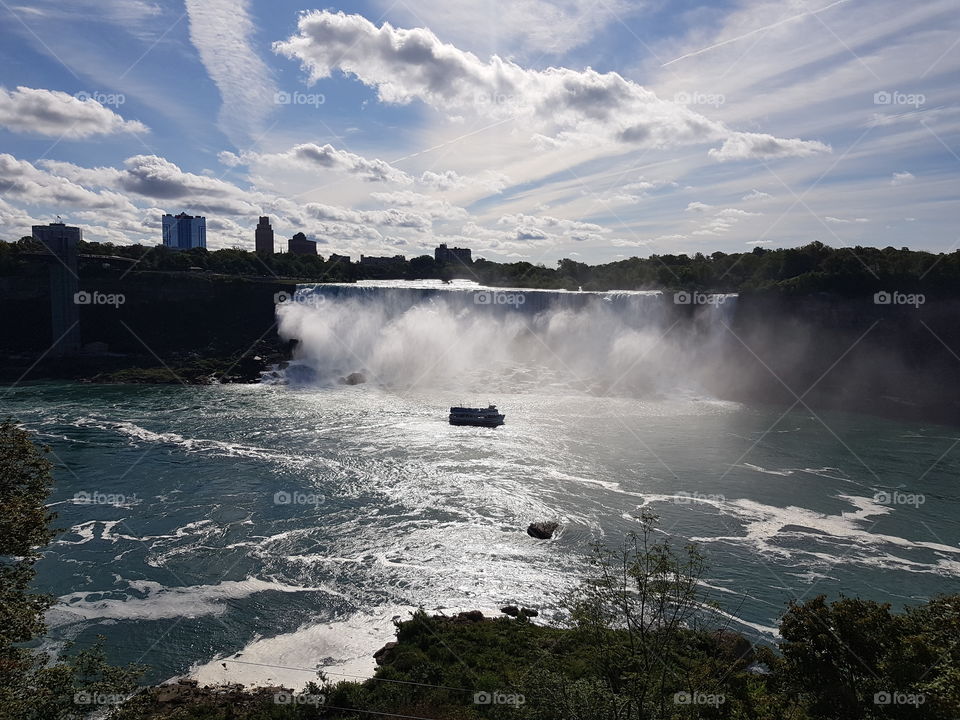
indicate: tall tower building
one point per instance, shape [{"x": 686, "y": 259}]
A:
[
  {"x": 264, "y": 237},
  {"x": 182, "y": 232}
]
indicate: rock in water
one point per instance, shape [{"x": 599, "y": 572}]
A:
[
  {"x": 382, "y": 656},
  {"x": 542, "y": 530},
  {"x": 354, "y": 378},
  {"x": 528, "y": 612},
  {"x": 511, "y": 610}
]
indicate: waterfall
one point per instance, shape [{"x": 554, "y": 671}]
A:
[{"x": 463, "y": 336}]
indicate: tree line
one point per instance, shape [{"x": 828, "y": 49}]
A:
[{"x": 814, "y": 267}]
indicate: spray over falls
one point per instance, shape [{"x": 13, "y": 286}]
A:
[{"x": 472, "y": 339}]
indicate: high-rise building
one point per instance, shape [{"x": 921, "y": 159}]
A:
[
  {"x": 264, "y": 237},
  {"x": 443, "y": 255},
  {"x": 182, "y": 232},
  {"x": 299, "y": 245},
  {"x": 62, "y": 240}
]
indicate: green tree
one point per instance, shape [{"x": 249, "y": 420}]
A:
[{"x": 31, "y": 687}]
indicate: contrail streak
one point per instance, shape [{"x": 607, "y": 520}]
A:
[{"x": 754, "y": 32}]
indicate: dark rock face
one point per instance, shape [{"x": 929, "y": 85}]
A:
[
  {"x": 542, "y": 530},
  {"x": 354, "y": 378},
  {"x": 382, "y": 656},
  {"x": 528, "y": 612},
  {"x": 511, "y": 610}
]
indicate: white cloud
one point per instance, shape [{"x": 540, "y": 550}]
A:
[
  {"x": 697, "y": 206},
  {"x": 221, "y": 31},
  {"x": 720, "y": 222},
  {"x": 55, "y": 113},
  {"x": 316, "y": 157},
  {"x": 844, "y": 221},
  {"x": 556, "y": 106},
  {"x": 22, "y": 180},
  {"x": 532, "y": 27},
  {"x": 754, "y": 146},
  {"x": 756, "y": 195},
  {"x": 432, "y": 207},
  {"x": 899, "y": 178}
]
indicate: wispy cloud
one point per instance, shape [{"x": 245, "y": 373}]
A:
[{"x": 221, "y": 31}]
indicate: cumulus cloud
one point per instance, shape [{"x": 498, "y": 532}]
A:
[
  {"x": 55, "y": 113},
  {"x": 311, "y": 156},
  {"x": 427, "y": 205},
  {"x": 492, "y": 181},
  {"x": 547, "y": 227},
  {"x": 720, "y": 221},
  {"x": 24, "y": 181},
  {"x": 756, "y": 195},
  {"x": 391, "y": 217},
  {"x": 448, "y": 180},
  {"x": 759, "y": 146},
  {"x": 697, "y": 206},
  {"x": 557, "y": 106}
]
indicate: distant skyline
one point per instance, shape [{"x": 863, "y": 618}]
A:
[{"x": 531, "y": 130}]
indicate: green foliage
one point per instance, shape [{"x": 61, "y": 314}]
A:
[
  {"x": 814, "y": 267},
  {"x": 31, "y": 687},
  {"x": 847, "y": 658}
]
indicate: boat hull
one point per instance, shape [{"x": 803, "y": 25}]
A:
[{"x": 478, "y": 422}]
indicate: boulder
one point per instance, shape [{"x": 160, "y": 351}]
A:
[
  {"x": 382, "y": 656},
  {"x": 528, "y": 612},
  {"x": 471, "y": 616},
  {"x": 542, "y": 530},
  {"x": 354, "y": 378},
  {"x": 511, "y": 610}
]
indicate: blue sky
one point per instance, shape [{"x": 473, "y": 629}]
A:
[{"x": 534, "y": 129}]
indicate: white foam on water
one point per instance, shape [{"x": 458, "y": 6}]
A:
[
  {"x": 190, "y": 445},
  {"x": 160, "y": 602},
  {"x": 757, "y": 468},
  {"x": 343, "y": 648},
  {"x": 763, "y": 524}
]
